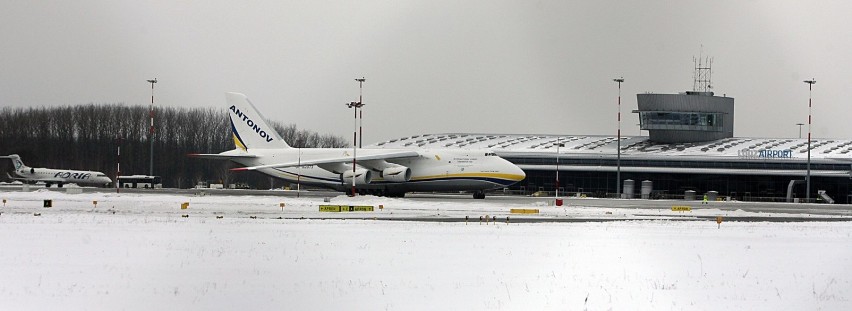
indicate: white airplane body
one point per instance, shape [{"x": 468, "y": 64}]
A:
[
  {"x": 51, "y": 176},
  {"x": 377, "y": 171}
]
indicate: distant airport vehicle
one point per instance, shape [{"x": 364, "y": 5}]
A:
[
  {"x": 51, "y": 176},
  {"x": 140, "y": 181},
  {"x": 390, "y": 172}
]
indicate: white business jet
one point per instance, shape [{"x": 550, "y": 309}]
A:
[
  {"x": 54, "y": 176},
  {"x": 391, "y": 172}
]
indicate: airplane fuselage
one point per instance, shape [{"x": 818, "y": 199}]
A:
[
  {"x": 432, "y": 170},
  {"x": 60, "y": 177}
]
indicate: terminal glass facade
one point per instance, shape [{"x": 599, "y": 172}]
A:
[{"x": 671, "y": 185}]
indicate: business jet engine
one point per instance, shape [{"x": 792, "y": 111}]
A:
[
  {"x": 362, "y": 177},
  {"x": 396, "y": 174}
]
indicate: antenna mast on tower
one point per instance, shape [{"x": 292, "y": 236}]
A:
[{"x": 701, "y": 76}]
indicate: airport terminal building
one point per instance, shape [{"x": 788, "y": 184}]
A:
[{"x": 690, "y": 150}]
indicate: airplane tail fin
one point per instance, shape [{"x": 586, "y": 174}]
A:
[
  {"x": 16, "y": 161},
  {"x": 249, "y": 129}
]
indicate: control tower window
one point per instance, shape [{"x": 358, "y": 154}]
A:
[{"x": 691, "y": 121}]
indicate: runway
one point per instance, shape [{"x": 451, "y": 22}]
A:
[
  {"x": 757, "y": 207},
  {"x": 432, "y": 207}
]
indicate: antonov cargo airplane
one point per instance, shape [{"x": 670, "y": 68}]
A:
[
  {"x": 53, "y": 176},
  {"x": 391, "y": 172}
]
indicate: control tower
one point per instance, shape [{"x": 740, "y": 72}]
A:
[{"x": 692, "y": 116}]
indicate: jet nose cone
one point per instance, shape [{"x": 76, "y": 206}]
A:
[
  {"x": 518, "y": 171},
  {"x": 513, "y": 172}
]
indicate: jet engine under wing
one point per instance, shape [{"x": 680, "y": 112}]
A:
[{"x": 381, "y": 156}]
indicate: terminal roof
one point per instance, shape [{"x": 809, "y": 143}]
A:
[{"x": 839, "y": 149}]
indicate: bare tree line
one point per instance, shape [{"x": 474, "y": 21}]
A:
[{"x": 87, "y": 137}]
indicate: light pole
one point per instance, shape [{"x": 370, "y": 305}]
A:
[
  {"x": 151, "y": 132},
  {"x": 618, "y": 158},
  {"x": 355, "y": 105},
  {"x": 299, "y": 173},
  {"x": 556, "y": 191},
  {"x": 800, "y": 129},
  {"x": 361, "y": 114},
  {"x": 118, "y": 165},
  {"x": 810, "y": 83}
]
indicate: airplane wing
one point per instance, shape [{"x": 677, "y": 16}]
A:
[
  {"x": 14, "y": 178},
  {"x": 382, "y": 156},
  {"x": 219, "y": 156},
  {"x": 45, "y": 179},
  {"x": 227, "y": 155}
]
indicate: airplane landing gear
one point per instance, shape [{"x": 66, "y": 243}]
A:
[
  {"x": 479, "y": 195},
  {"x": 395, "y": 194}
]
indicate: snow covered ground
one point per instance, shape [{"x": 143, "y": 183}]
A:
[{"x": 137, "y": 252}]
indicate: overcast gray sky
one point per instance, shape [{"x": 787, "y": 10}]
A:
[{"x": 537, "y": 67}]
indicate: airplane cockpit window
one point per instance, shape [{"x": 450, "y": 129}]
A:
[{"x": 490, "y": 154}]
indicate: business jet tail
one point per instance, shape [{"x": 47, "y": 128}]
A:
[{"x": 248, "y": 126}]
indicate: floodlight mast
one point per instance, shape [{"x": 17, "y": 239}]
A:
[
  {"x": 118, "y": 164},
  {"x": 810, "y": 83},
  {"x": 360, "y": 114},
  {"x": 151, "y": 131},
  {"x": 618, "y": 158},
  {"x": 355, "y": 105},
  {"x": 355, "y": 135},
  {"x": 558, "y": 144}
]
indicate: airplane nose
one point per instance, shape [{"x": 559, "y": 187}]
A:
[{"x": 516, "y": 173}]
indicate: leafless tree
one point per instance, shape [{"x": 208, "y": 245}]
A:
[{"x": 88, "y": 136}]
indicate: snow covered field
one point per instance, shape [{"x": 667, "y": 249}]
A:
[{"x": 136, "y": 252}]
